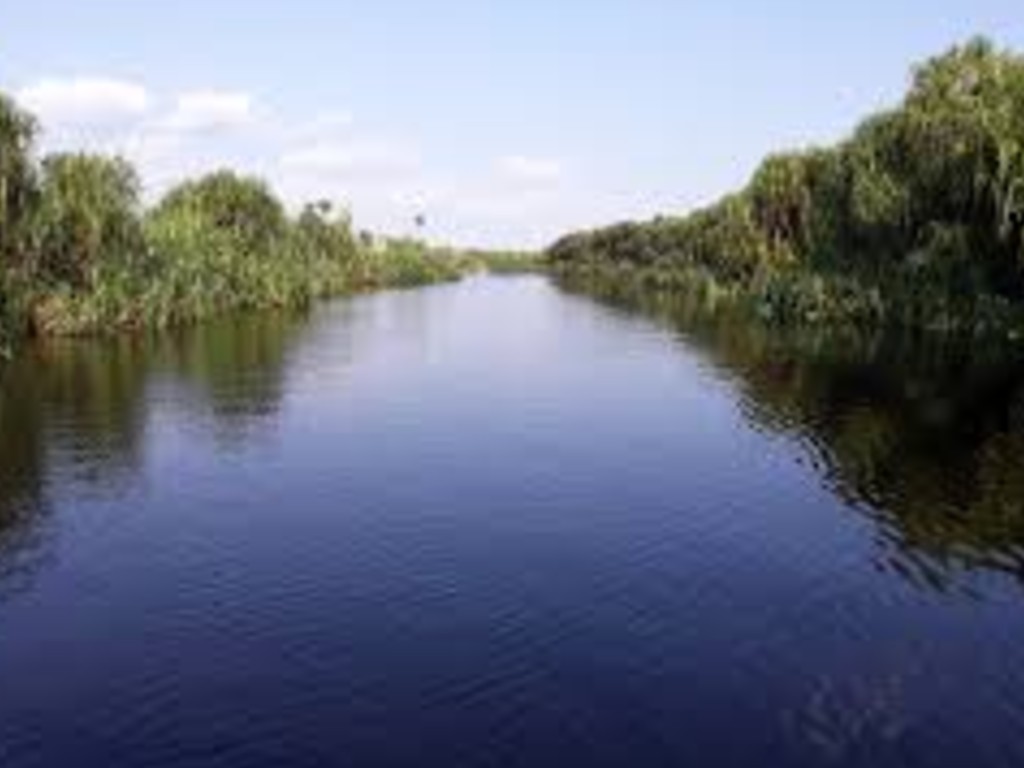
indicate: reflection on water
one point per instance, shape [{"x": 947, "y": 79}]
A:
[
  {"x": 924, "y": 435},
  {"x": 73, "y": 414},
  {"x": 503, "y": 522}
]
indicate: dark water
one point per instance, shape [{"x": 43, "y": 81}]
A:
[{"x": 499, "y": 524}]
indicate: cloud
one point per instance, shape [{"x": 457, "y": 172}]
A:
[
  {"x": 210, "y": 110},
  {"x": 422, "y": 195},
  {"x": 383, "y": 179},
  {"x": 323, "y": 126},
  {"x": 520, "y": 168},
  {"x": 345, "y": 159},
  {"x": 84, "y": 99},
  {"x": 497, "y": 203}
]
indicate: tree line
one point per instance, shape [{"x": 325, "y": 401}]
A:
[
  {"x": 916, "y": 219},
  {"x": 80, "y": 253}
]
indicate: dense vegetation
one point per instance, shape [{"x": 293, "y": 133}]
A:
[
  {"x": 80, "y": 254},
  {"x": 506, "y": 262},
  {"x": 917, "y": 219}
]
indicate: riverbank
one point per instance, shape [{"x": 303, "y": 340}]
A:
[
  {"x": 182, "y": 292},
  {"x": 211, "y": 284},
  {"x": 794, "y": 299},
  {"x": 80, "y": 253},
  {"x": 508, "y": 262},
  {"x": 916, "y": 220}
]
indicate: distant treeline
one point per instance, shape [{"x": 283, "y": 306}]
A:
[
  {"x": 917, "y": 219},
  {"x": 79, "y": 253},
  {"x": 505, "y": 262}
]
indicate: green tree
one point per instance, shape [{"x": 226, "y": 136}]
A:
[
  {"x": 918, "y": 216},
  {"x": 780, "y": 201},
  {"x": 241, "y": 209},
  {"x": 17, "y": 182},
  {"x": 88, "y": 218}
]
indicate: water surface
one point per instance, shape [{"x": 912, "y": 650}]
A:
[{"x": 497, "y": 523}]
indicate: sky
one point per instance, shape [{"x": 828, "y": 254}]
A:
[{"x": 505, "y": 123}]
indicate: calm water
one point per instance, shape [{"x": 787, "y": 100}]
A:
[{"x": 499, "y": 524}]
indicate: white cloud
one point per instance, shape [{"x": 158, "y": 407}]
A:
[
  {"x": 84, "y": 99},
  {"x": 323, "y": 126},
  {"x": 497, "y": 203},
  {"x": 210, "y": 110},
  {"x": 422, "y": 195},
  {"x": 382, "y": 179},
  {"x": 146, "y": 147},
  {"x": 529, "y": 169},
  {"x": 344, "y": 159}
]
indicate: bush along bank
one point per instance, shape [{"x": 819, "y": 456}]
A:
[
  {"x": 917, "y": 219},
  {"x": 79, "y": 254}
]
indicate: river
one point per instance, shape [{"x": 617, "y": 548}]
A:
[{"x": 501, "y": 523}]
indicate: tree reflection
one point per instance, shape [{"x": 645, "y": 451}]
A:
[
  {"x": 924, "y": 434},
  {"x": 73, "y": 415},
  {"x": 230, "y": 373}
]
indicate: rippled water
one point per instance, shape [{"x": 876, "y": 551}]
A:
[{"x": 497, "y": 523}]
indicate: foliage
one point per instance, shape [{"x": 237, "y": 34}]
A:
[
  {"x": 17, "y": 193},
  {"x": 79, "y": 255},
  {"x": 922, "y": 208},
  {"x": 238, "y": 210},
  {"x": 17, "y": 181},
  {"x": 88, "y": 218},
  {"x": 504, "y": 262}
]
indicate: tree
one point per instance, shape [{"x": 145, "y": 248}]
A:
[
  {"x": 17, "y": 182},
  {"x": 317, "y": 234},
  {"x": 927, "y": 198},
  {"x": 780, "y": 200},
  {"x": 88, "y": 217},
  {"x": 243, "y": 209}
]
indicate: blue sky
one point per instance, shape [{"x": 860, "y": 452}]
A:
[{"x": 506, "y": 123}]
